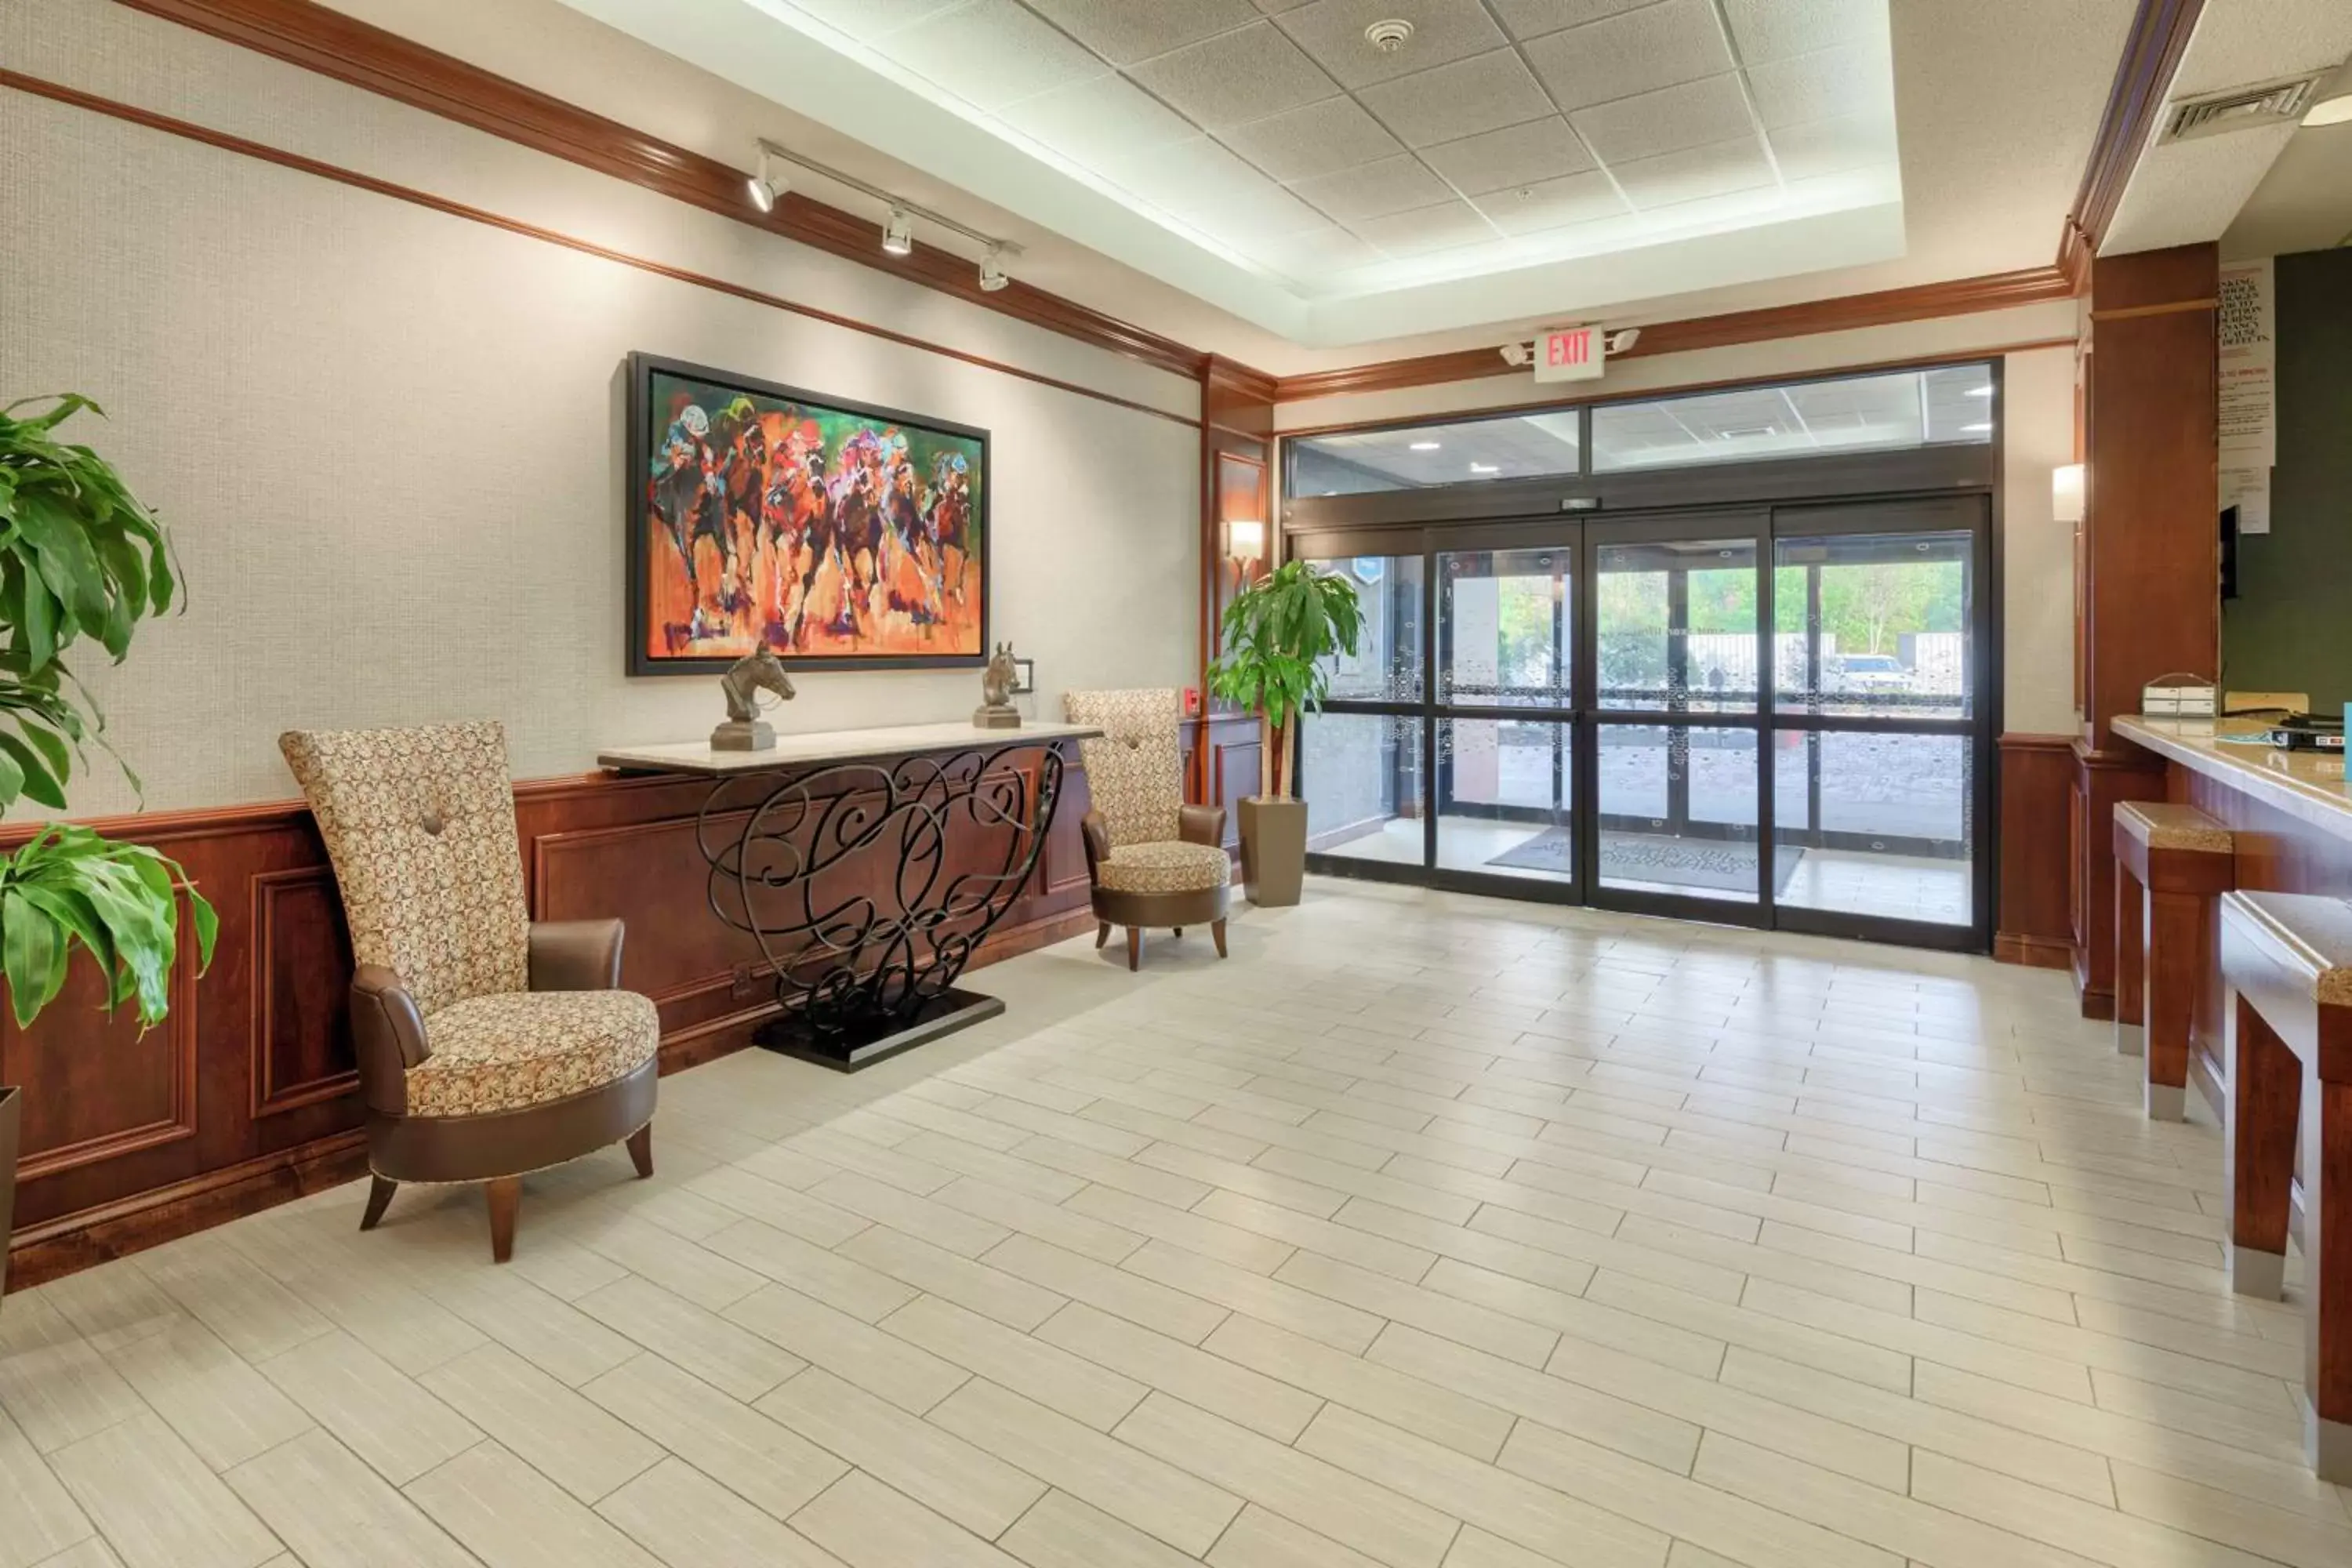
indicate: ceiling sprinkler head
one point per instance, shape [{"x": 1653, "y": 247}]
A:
[{"x": 1389, "y": 37}]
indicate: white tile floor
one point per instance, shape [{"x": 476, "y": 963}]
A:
[{"x": 1427, "y": 1230}]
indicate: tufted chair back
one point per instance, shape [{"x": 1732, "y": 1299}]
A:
[
  {"x": 420, "y": 824},
  {"x": 1134, "y": 774}
]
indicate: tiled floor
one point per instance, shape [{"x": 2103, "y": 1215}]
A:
[{"x": 1425, "y": 1230}]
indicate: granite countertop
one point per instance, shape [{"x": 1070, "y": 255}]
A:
[
  {"x": 832, "y": 746},
  {"x": 2307, "y": 784}
]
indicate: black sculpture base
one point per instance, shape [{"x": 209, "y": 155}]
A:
[{"x": 849, "y": 1050}]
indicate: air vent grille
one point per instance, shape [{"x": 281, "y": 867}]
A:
[{"x": 2280, "y": 102}]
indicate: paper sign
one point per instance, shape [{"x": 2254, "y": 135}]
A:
[
  {"x": 2249, "y": 390},
  {"x": 1571, "y": 353},
  {"x": 2248, "y": 489}
]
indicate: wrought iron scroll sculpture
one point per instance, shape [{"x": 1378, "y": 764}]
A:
[{"x": 849, "y": 964}]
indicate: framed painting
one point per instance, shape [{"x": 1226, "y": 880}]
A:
[{"x": 840, "y": 536}]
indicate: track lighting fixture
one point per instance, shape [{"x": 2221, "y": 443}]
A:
[
  {"x": 991, "y": 270},
  {"x": 898, "y": 234},
  {"x": 766, "y": 182}
]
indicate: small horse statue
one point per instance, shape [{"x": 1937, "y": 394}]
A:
[
  {"x": 757, "y": 671},
  {"x": 996, "y": 711}
]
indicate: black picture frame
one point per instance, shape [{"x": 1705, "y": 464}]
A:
[
  {"x": 638, "y": 518},
  {"x": 1025, "y": 677}
]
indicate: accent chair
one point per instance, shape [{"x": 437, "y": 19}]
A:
[
  {"x": 490, "y": 1045},
  {"x": 1151, "y": 859}
]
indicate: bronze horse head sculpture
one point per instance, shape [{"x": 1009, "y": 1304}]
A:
[{"x": 757, "y": 671}]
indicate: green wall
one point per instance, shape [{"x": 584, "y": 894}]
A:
[{"x": 2290, "y": 627}]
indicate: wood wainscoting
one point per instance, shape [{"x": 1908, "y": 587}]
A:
[
  {"x": 1235, "y": 748},
  {"x": 246, "y": 1095},
  {"x": 2033, "y": 924}
]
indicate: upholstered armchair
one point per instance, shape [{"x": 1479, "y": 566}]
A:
[
  {"x": 1151, "y": 859},
  {"x": 489, "y": 1046}
]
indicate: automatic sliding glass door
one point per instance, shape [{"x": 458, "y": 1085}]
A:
[{"x": 1505, "y": 736}]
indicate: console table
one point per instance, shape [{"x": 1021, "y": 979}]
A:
[{"x": 864, "y": 965}]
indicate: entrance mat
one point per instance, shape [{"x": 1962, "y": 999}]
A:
[{"x": 1637, "y": 856}]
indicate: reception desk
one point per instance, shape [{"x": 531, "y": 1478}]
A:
[{"x": 2290, "y": 813}]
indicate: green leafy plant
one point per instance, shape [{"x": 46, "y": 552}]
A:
[
  {"x": 1279, "y": 631},
  {"x": 79, "y": 558}
]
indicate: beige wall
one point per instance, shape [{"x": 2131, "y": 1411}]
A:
[
  {"x": 388, "y": 440},
  {"x": 2038, "y": 579}
]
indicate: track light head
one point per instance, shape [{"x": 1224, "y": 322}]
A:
[
  {"x": 898, "y": 234},
  {"x": 766, "y": 186},
  {"x": 993, "y": 275}
]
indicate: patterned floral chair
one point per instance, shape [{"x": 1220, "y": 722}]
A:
[
  {"x": 1152, "y": 859},
  {"x": 490, "y": 1045}
]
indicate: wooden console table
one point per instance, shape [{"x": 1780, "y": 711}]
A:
[{"x": 863, "y": 965}]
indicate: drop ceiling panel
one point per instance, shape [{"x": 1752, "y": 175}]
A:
[
  {"x": 872, "y": 18},
  {"x": 1667, "y": 120},
  {"x": 1777, "y": 29},
  {"x": 1100, "y": 121},
  {"x": 1320, "y": 138},
  {"x": 1485, "y": 92},
  {"x": 1123, "y": 32},
  {"x": 1237, "y": 77},
  {"x": 1515, "y": 155},
  {"x": 1332, "y": 31},
  {"x": 998, "y": 52},
  {"x": 1635, "y": 51},
  {"x": 1321, "y": 250},
  {"x": 1534, "y": 18},
  {"x": 1832, "y": 146},
  {"x": 1848, "y": 80},
  {"x": 1553, "y": 203},
  {"x": 1426, "y": 229},
  {"x": 1699, "y": 172},
  {"x": 1392, "y": 185}
]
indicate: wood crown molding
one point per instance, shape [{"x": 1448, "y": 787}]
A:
[
  {"x": 2152, "y": 51},
  {"x": 1889, "y": 307},
  {"x": 308, "y": 34}
]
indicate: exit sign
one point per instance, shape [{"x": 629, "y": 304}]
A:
[{"x": 1571, "y": 353}]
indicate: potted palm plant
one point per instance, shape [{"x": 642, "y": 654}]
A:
[
  {"x": 1278, "y": 632},
  {"x": 79, "y": 558}
]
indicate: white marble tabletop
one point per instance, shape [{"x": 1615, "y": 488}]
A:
[
  {"x": 2306, "y": 784},
  {"x": 832, "y": 746}
]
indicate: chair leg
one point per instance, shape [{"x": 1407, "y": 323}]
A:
[
  {"x": 1179, "y": 931},
  {"x": 1134, "y": 948},
  {"x": 641, "y": 1151},
  {"x": 1102, "y": 932},
  {"x": 505, "y": 1196},
  {"x": 1217, "y": 931},
  {"x": 379, "y": 1200}
]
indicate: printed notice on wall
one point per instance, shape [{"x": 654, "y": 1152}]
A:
[
  {"x": 2249, "y": 385},
  {"x": 2248, "y": 489}
]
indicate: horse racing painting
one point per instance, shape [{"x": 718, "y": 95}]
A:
[{"x": 836, "y": 535}]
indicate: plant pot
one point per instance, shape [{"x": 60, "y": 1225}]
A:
[
  {"x": 1273, "y": 848},
  {"x": 11, "y": 1108}
]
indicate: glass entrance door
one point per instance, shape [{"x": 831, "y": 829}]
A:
[{"x": 1764, "y": 717}]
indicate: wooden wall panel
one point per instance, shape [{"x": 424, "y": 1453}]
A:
[
  {"x": 1230, "y": 765},
  {"x": 2031, "y": 924},
  {"x": 245, "y": 1095}
]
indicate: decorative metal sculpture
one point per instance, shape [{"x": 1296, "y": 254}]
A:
[
  {"x": 861, "y": 975},
  {"x": 996, "y": 682},
  {"x": 744, "y": 731}
]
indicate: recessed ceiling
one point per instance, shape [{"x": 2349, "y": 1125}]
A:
[{"x": 1508, "y": 156}]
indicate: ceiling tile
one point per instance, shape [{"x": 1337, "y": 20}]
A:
[
  {"x": 1853, "y": 80},
  {"x": 1666, "y": 120},
  {"x": 1776, "y": 30},
  {"x": 865, "y": 19},
  {"x": 1425, "y": 230},
  {"x": 1099, "y": 121},
  {"x": 1320, "y": 138},
  {"x": 1237, "y": 77},
  {"x": 1186, "y": 176},
  {"x": 1124, "y": 33},
  {"x": 1637, "y": 51},
  {"x": 1329, "y": 248},
  {"x": 1332, "y": 31},
  {"x": 1264, "y": 211},
  {"x": 1485, "y": 92},
  {"x": 1832, "y": 146},
  {"x": 1697, "y": 172},
  {"x": 1553, "y": 203},
  {"x": 1534, "y": 18},
  {"x": 1515, "y": 155},
  {"x": 1275, "y": 8},
  {"x": 1392, "y": 185},
  {"x": 991, "y": 53}
]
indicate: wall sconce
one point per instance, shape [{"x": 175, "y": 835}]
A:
[
  {"x": 1245, "y": 538},
  {"x": 2066, "y": 491}
]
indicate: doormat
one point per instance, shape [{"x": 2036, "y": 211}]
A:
[{"x": 1638, "y": 856}]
